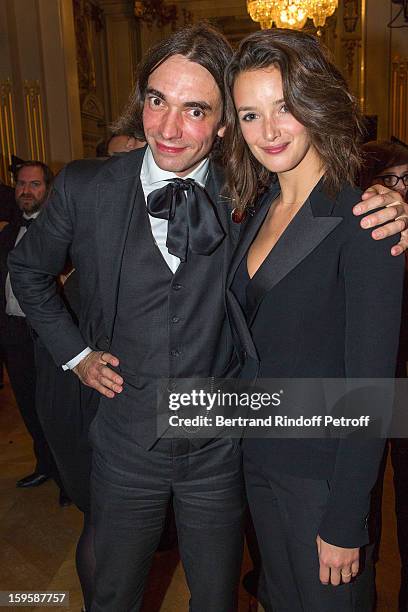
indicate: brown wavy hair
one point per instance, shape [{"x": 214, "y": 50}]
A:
[
  {"x": 201, "y": 44},
  {"x": 315, "y": 93}
]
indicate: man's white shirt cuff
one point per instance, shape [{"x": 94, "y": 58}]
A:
[{"x": 75, "y": 360}]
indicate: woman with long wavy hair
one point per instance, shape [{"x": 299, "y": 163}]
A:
[{"x": 309, "y": 296}]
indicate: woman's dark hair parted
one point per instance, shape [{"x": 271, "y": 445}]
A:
[
  {"x": 200, "y": 44},
  {"x": 315, "y": 93}
]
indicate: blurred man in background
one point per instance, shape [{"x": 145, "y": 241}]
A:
[{"x": 33, "y": 182}]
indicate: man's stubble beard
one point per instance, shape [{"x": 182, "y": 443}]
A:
[{"x": 30, "y": 207}]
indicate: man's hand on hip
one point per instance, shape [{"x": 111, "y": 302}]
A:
[{"x": 93, "y": 371}]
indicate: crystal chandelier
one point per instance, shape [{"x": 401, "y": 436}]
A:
[
  {"x": 285, "y": 13},
  {"x": 290, "y": 13},
  {"x": 318, "y": 10},
  {"x": 262, "y": 11}
]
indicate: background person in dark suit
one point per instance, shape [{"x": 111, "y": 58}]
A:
[
  {"x": 8, "y": 208},
  {"x": 387, "y": 162},
  {"x": 308, "y": 297},
  {"x": 33, "y": 182},
  {"x": 8, "y": 211},
  {"x": 152, "y": 306}
]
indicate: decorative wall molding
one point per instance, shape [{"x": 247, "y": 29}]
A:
[
  {"x": 92, "y": 107},
  {"x": 93, "y": 123},
  {"x": 161, "y": 14},
  {"x": 399, "y": 99},
  {"x": 7, "y": 128},
  {"x": 351, "y": 47},
  {"x": 89, "y": 21},
  {"x": 351, "y": 15},
  {"x": 35, "y": 120}
]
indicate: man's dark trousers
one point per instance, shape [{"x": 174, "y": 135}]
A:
[
  {"x": 131, "y": 490},
  {"x": 18, "y": 351}
]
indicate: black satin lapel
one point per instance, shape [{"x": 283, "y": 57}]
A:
[
  {"x": 301, "y": 237},
  {"x": 116, "y": 201},
  {"x": 248, "y": 234},
  {"x": 239, "y": 326},
  {"x": 237, "y": 317}
]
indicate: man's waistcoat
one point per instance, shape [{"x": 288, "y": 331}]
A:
[{"x": 167, "y": 326}]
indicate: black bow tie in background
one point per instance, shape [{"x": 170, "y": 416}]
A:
[
  {"x": 26, "y": 222},
  {"x": 193, "y": 221}
]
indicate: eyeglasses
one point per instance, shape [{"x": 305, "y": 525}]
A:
[{"x": 392, "y": 180}]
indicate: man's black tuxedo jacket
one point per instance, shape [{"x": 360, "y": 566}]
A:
[
  {"x": 325, "y": 304},
  {"x": 87, "y": 218},
  {"x": 8, "y": 237}
]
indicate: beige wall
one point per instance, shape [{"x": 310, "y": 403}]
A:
[
  {"x": 111, "y": 48},
  {"x": 37, "y": 49},
  {"x": 365, "y": 55},
  {"x": 383, "y": 44},
  {"x": 56, "y": 118},
  {"x": 60, "y": 80},
  {"x": 123, "y": 53}
]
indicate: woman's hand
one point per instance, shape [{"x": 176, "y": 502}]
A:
[{"x": 337, "y": 564}]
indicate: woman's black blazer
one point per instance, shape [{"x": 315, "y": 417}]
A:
[{"x": 326, "y": 303}]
